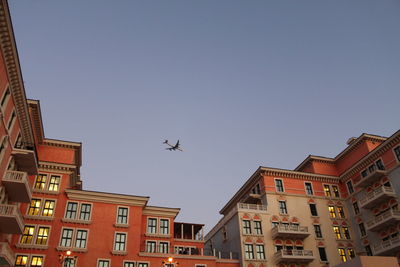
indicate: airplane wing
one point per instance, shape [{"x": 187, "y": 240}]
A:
[{"x": 177, "y": 144}]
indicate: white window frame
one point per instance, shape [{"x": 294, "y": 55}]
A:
[
  {"x": 168, "y": 226},
  {"x": 105, "y": 260},
  {"x": 125, "y": 243},
  {"x": 155, "y": 228},
  {"x": 117, "y": 216}
]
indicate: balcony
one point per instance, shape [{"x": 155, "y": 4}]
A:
[
  {"x": 25, "y": 157},
  {"x": 251, "y": 207},
  {"x": 381, "y": 194},
  {"x": 290, "y": 231},
  {"x": 7, "y": 257},
  {"x": 387, "y": 218},
  {"x": 295, "y": 256},
  {"x": 370, "y": 178},
  {"x": 388, "y": 248},
  {"x": 17, "y": 185},
  {"x": 11, "y": 220}
]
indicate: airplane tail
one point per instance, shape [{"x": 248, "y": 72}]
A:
[{"x": 166, "y": 141}]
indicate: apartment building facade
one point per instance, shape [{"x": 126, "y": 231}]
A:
[
  {"x": 47, "y": 219},
  {"x": 323, "y": 213}
]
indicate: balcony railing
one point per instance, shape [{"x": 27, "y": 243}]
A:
[
  {"x": 11, "y": 220},
  {"x": 26, "y": 158},
  {"x": 370, "y": 178},
  {"x": 17, "y": 185},
  {"x": 253, "y": 207},
  {"x": 288, "y": 231},
  {"x": 285, "y": 255},
  {"x": 387, "y": 218},
  {"x": 182, "y": 250},
  {"x": 377, "y": 196},
  {"x": 7, "y": 257},
  {"x": 388, "y": 248}
]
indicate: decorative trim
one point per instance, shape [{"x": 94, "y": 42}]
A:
[
  {"x": 106, "y": 197},
  {"x": 161, "y": 211}
]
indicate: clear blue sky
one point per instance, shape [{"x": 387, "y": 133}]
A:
[{"x": 240, "y": 83}]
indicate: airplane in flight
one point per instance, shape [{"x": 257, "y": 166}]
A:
[{"x": 173, "y": 147}]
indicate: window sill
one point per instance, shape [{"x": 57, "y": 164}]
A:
[
  {"x": 283, "y": 214},
  {"x": 46, "y": 192},
  {"x": 39, "y": 217},
  {"x": 121, "y": 225},
  {"x": 120, "y": 253},
  {"x": 79, "y": 250},
  {"x": 76, "y": 221},
  {"x": 158, "y": 235},
  {"x": 32, "y": 246}
]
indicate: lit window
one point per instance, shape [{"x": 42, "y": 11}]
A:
[
  {"x": 346, "y": 232},
  {"x": 327, "y": 190},
  {"x": 48, "y": 209},
  {"x": 351, "y": 253},
  {"x": 34, "y": 208},
  {"x": 27, "y": 235},
  {"x": 246, "y": 227},
  {"x": 260, "y": 252},
  {"x": 342, "y": 254},
  {"x": 81, "y": 238},
  {"x": 249, "y": 253},
  {"x": 42, "y": 235},
  {"x": 120, "y": 241},
  {"x": 309, "y": 189},
  {"x": 164, "y": 226},
  {"x": 122, "y": 216},
  {"x": 151, "y": 225},
  {"x": 37, "y": 261},
  {"x": 335, "y": 190},
  {"x": 279, "y": 185},
  {"x": 257, "y": 228},
  {"x": 164, "y": 247},
  {"x": 103, "y": 263},
  {"x": 318, "y": 232},
  {"x": 340, "y": 212},
  {"x": 21, "y": 260},
  {"x": 85, "y": 211},
  {"x": 336, "y": 230},
  {"x": 54, "y": 183},
  {"x": 40, "y": 182},
  {"x": 332, "y": 211},
  {"x": 72, "y": 208},
  {"x": 282, "y": 207},
  {"x": 66, "y": 238}
]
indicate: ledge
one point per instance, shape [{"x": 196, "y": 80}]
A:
[
  {"x": 39, "y": 217},
  {"x": 121, "y": 225},
  {"x": 158, "y": 235},
  {"x": 31, "y": 246},
  {"x": 119, "y": 253},
  {"x": 76, "y": 221}
]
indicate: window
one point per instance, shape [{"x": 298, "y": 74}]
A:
[
  {"x": 318, "y": 232},
  {"x": 85, "y": 211},
  {"x": 350, "y": 188},
  {"x": 48, "y": 209},
  {"x": 42, "y": 235},
  {"x": 275, "y": 224},
  {"x": 327, "y": 190},
  {"x": 371, "y": 168},
  {"x": 246, "y": 227},
  {"x": 164, "y": 226},
  {"x": 129, "y": 264},
  {"x": 43, "y": 183},
  {"x": 257, "y": 228},
  {"x": 364, "y": 173},
  {"x": 37, "y": 261},
  {"x": 151, "y": 225},
  {"x": 260, "y": 252},
  {"x": 143, "y": 264},
  {"x": 122, "y": 215},
  {"x": 66, "y": 237},
  {"x": 336, "y": 230},
  {"x": 313, "y": 209},
  {"x": 379, "y": 164},
  {"x": 120, "y": 240},
  {"x": 81, "y": 238},
  {"x": 335, "y": 190},
  {"x": 151, "y": 246},
  {"x": 11, "y": 120},
  {"x": 72, "y": 208},
  {"x": 362, "y": 229},
  {"x": 351, "y": 253},
  {"x": 164, "y": 247},
  {"x": 332, "y": 212},
  {"x": 355, "y": 208},
  {"x": 309, "y": 189},
  {"x": 397, "y": 152},
  {"x": 340, "y": 212},
  {"x": 282, "y": 207},
  {"x": 54, "y": 183},
  {"x": 5, "y": 98},
  {"x": 249, "y": 253},
  {"x": 21, "y": 260},
  {"x": 279, "y": 185},
  {"x": 256, "y": 190},
  {"x": 342, "y": 254},
  {"x": 322, "y": 254},
  {"x": 34, "y": 208},
  {"x": 27, "y": 235},
  {"x": 368, "y": 250},
  {"x": 40, "y": 182},
  {"x": 346, "y": 232},
  {"x": 103, "y": 263}
]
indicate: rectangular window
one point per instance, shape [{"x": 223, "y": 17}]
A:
[
  {"x": 246, "y": 227},
  {"x": 37, "y": 261},
  {"x": 355, "y": 208},
  {"x": 258, "y": 228},
  {"x": 309, "y": 189},
  {"x": 313, "y": 209},
  {"x": 66, "y": 237},
  {"x": 371, "y": 168},
  {"x": 129, "y": 264},
  {"x": 103, "y": 263},
  {"x": 362, "y": 229},
  {"x": 34, "y": 207},
  {"x": 21, "y": 260},
  {"x": 368, "y": 250},
  {"x": 143, "y": 264},
  {"x": 122, "y": 216},
  {"x": 279, "y": 185},
  {"x": 42, "y": 235},
  {"x": 340, "y": 212},
  {"x": 54, "y": 183},
  {"x": 164, "y": 226},
  {"x": 120, "y": 240},
  {"x": 322, "y": 254},
  {"x": 335, "y": 190},
  {"x": 12, "y": 118},
  {"x": 151, "y": 225},
  {"x": 72, "y": 208},
  {"x": 48, "y": 209},
  {"x": 5, "y": 98},
  {"x": 40, "y": 182},
  {"x": 249, "y": 253},
  {"x": 27, "y": 235},
  {"x": 351, "y": 253},
  {"x": 336, "y": 230},
  {"x": 151, "y": 246},
  {"x": 342, "y": 254},
  {"x": 364, "y": 173},
  {"x": 318, "y": 232},
  {"x": 282, "y": 207},
  {"x": 327, "y": 190},
  {"x": 260, "y": 252},
  {"x": 346, "y": 232},
  {"x": 397, "y": 152},
  {"x": 379, "y": 165},
  {"x": 164, "y": 247},
  {"x": 85, "y": 211},
  {"x": 332, "y": 212},
  {"x": 81, "y": 238}
]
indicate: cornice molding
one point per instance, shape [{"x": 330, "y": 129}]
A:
[
  {"x": 57, "y": 166},
  {"x": 36, "y": 118},
  {"x": 107, "y": 197},
  {"x": 161, "y": 211},
  {"x": 62, "y": 143},
  {"x": 10, "y": 53}
]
